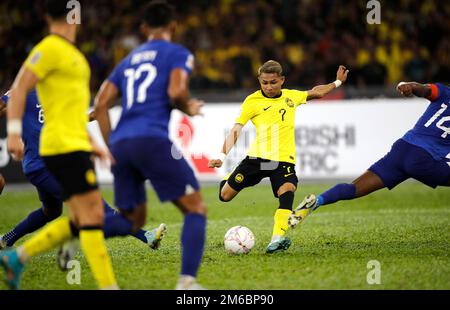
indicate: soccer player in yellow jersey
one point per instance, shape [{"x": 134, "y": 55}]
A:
[
  {"x": 272, "y": 111},
  {"x": 61, "y": 75}
]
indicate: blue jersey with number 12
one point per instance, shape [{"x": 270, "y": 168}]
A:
[
  {"x": 143, "y": 79},
  {"x": 432, "y": 130},
  {"x": 33, "y": 121}
]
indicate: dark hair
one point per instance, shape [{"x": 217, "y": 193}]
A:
[
  {"x": 158, "y": 14},
  {"x": 56, "y": 9},
  {"x": 271, "y": 66}
]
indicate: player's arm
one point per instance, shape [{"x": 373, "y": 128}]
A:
[
  {"x": 102, "y": 153},
  {"x": 228, "y": 144},
  {"x": 25, "y": 81},
  {"x": 178, "y": 92},
  {"x": 428, "y": 91},
  {"x": 321, "y": 90},
  {"x": 104, "y": 100}
]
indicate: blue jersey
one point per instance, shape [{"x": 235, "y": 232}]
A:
[
  {"x": 432, "y": 131},
  {"x": 33, "y": 121},
  {"x": 143, "y": 79}
]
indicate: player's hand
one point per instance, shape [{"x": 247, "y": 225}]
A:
[
  {"x": 92, "y": 116},
  {"x": 103, "y": 154},
  {"x": 405, "y": 89},
  {"x": 215, "y": 163},
  {"x": 194, "y": 107},
  {"x": 2, "y": 110},
  {"x": 342, "y": 73},
  {"x": 15, "y": 147}
]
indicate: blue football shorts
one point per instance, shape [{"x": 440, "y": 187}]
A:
[
  {"x": 149, "y": 158},
  {"x": 405, "y": 161},
  {"x": 49, "y": 190}
]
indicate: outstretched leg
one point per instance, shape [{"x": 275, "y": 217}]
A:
[
  {"x": 365, "y": 184},
  {"x": 50, "y": 196},
  {"x": 118, "y": 224},
  {"x": 31, "y": 223}
]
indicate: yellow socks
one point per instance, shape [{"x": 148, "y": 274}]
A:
[
  {"x": 52, "y": 235},
  {"x": 92, "y": 243},
  {"x": 94, "y": 249},
  {"x": 280, "y": 226}
]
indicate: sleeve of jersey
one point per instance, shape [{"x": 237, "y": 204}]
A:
[
  {"x": 183, "y": 59},
  {"x": 245, "y": 115},
  {"x": 300, "y": 97},
  {"x": 437, "y": 91},
  {"x": 42, "y": 59}
]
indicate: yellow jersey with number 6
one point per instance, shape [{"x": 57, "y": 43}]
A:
[
  {"x": 274, "y": 120},
  {"x": 63, "y": 91}
]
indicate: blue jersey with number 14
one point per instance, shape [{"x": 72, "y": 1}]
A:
[
  {"x": 33, "y": 121},
  {"x": 143, "y": 79},
  {"x": 432, "y": 131}
]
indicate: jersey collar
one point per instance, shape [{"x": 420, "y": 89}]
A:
[
  {"x": 281, "y": 94},
  {"x": 62, "y": 38}
]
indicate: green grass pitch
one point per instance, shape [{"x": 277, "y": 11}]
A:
[{"x": 406, "y": 230}]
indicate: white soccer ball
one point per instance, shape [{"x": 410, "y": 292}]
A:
[{"x": 239, "y": 240}]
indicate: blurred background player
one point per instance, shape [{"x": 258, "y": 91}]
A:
[
  {"x": 152, "y": 80},
  {"x": 423, "y": 153},
  {"x": 273, "y": 154},
  {"x": 56, "y": 67},
  {"x": 50, "y": 193}
]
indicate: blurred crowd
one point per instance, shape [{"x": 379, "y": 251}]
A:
[{"x": 231, "y": 38}]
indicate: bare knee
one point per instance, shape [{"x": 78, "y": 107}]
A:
[
  {"x": 87, "y": 209},
  {"x": 198, "y": 208},
  {"x": 192, "y": 203},
  {"x": 226, "y": 196},
  {"x": 286, "y": 187},
  {"x": 227, "y": 193}
]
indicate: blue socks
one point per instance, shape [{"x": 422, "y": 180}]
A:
[
  {"x": 31, "y": 223},
  {"x": 192, "y": 241},
  {"x": 118, "y": 225},
  {"x": 337, "y": 193},
  {"x": 140, "y": 235},
  {"x": 115, "y": 225}
]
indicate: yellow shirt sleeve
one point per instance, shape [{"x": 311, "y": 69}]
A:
[
  {"x": 42, "y": 59},
  {"x": 299, "y": 97},
  {"x": 247, "y": 112}
]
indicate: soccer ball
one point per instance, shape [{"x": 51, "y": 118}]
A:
[{"x": 239, "y": 240}]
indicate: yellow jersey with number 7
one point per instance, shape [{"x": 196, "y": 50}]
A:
[{"x": 274, "y": 120}]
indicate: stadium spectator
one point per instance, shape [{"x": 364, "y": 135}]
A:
[{"x": 231, "y": 38}]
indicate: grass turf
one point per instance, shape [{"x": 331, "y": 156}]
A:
[{"x": 406, "y": 230}]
